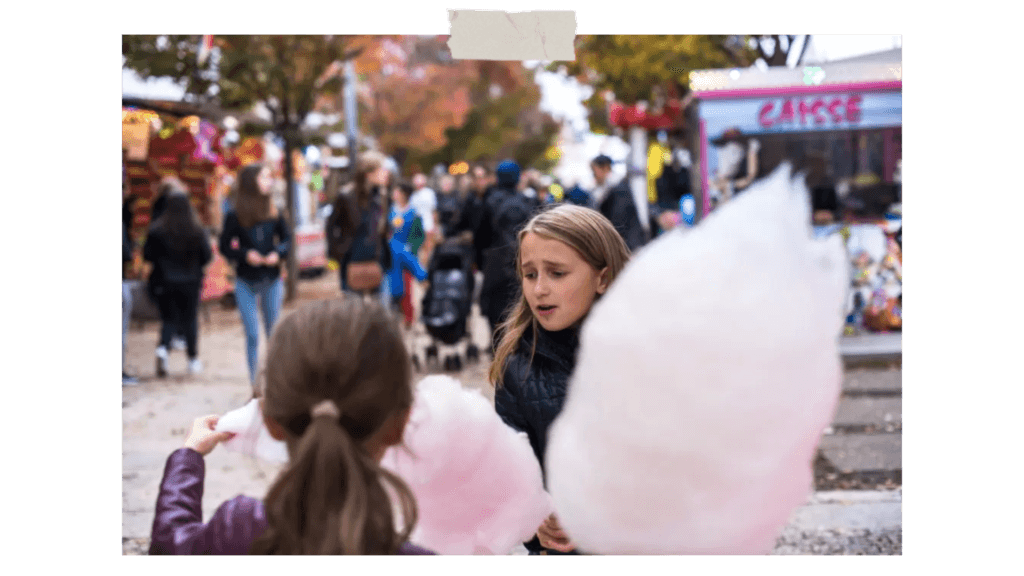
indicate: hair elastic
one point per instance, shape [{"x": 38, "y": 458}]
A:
[{"x": 325, "y": 408}]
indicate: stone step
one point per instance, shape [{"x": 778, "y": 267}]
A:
[
  {"x": 871, "y": 347},
  {"x": 850, "y": 510},
  {"x": 863, "y": 452},
  {"x": 864, "y": 380},
  {"x": 877, "y": 411}
]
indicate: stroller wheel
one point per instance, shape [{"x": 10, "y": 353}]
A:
[
  {"x": 416, "y": 362},
  {"x": 447, "y": 363},
  {"x": 456, "y": 363},
  {"x": 431, "y": 352},
  {"x": 472, "y": 354}
]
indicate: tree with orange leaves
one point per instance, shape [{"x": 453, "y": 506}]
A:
[{"x": 284, "y": 73}]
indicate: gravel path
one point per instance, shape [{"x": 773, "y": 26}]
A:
[{"x": 156, "y": 413}]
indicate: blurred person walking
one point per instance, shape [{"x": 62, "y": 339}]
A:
[
  {"x": 449, "y": 205},
  {"x": 406, "y": 237},
  {"x": 613, "y": 198},
  {"x": 256, "y": 239},
  {"x": 178, "y": 248},
  {"x": 424, "y": 200},
  {"x": 507, "y": 210},
  {"x": 358, "y": 230},
  {"x": 469, "y": 227},
  {"x": 167, "y": 186}
]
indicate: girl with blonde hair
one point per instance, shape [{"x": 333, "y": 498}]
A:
[{"x": 568, "y": 256}]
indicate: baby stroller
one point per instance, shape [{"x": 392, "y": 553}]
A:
[{"x": 448, "y": 301}]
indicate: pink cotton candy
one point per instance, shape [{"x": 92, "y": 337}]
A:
[
  {"x": 477, "y": 484},
  {"x": 705, "y": 377}
]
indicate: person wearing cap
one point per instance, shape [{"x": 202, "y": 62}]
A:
[
  {"x": 507, "y": 210},
  {"x": 613, "y": 198}
]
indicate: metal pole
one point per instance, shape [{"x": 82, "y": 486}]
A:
[
  {"x": 637, "y": 174},
  {"x": 351, "y": 116}
]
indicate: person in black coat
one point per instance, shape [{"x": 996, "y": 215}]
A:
[
  {"x": 256, "y": 238},
  {"x": 508, "y": 211},
  {"x": 615, "y": 201},
  {"x": 568, "y": 256},
  {"x": 449, "y": 206},
  {"x": 471, "y": 218},
  {"x": 358, "y": 229},
  {"x": 178, "y": 248}
]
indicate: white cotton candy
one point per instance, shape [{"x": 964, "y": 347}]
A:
[
  {"x": 251, "y": 435},
  {"x": 705, "y": 377},
  {"x": 477, "y": 484}
]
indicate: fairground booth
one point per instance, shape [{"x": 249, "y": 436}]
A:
[{"x": 839, "y": 122}]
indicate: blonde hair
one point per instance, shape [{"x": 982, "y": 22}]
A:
[{"x": 586, "y": 231}]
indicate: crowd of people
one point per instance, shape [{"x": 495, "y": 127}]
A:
[
  {"x": 381, "y": 220},
  {"x": 544, "y": 262},
  {"x": 338, "y": 406}
]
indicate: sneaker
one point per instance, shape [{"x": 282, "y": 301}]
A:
[
  {"x": 128, "y": 380},
  {"x": 195, "y": 366},
  {"x": 177, "y": 343},
  {"x": 161, "y": 362}
]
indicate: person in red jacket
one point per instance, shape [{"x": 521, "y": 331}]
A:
[{"x": 338, "y": 392}]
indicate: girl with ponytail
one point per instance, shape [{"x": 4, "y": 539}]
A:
[{"x": 337, "y": 391}]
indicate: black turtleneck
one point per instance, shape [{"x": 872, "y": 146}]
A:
[{"x": 533, "y": 390}]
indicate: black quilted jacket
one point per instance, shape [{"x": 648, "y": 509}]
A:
[{"x": 532, "y": 393}]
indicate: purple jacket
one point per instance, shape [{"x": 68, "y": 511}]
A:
[{"x": 178, "y": 526}]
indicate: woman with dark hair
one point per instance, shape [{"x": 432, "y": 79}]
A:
[
  {"x": 179, "y": 249},
  {"x": 256, "y": 239},
  {"x": 358, "y": 230}
]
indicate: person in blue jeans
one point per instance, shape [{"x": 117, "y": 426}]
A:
[{"x": 256, "y": 239}]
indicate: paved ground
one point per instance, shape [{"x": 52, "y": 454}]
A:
[{"x": 157, "y": 413}]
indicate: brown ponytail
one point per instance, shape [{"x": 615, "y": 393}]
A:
[{"x": 333, "y": 497}]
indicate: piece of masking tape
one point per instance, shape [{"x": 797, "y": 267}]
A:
[{"x": 500, "y": 35}]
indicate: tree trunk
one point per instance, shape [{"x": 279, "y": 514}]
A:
[{"x": 292, "y": 263}]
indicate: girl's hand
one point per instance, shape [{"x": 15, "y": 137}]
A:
[
  {"x": 272, "y": 259},
  {"x": 203, "y": 439},
  {"x": 253, "y": 258},
  {"x": 551, "y": 536}
]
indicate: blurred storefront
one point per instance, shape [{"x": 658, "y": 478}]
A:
[
  {"x": 160, "y": 139},
  {"x": 841, "y": 123}
]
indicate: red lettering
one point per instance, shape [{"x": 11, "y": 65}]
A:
[
  {"x": 853, "y": 109},
  {"x": 804, "y": 111},
  {"x": 814, "y": 110},
  {"x": 787, "y": 114},
  {"x": 832, "y": 109},
  {"x": 762, "y": 115}
]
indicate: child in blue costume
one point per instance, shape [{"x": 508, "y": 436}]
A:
[{"x": 404, "y": 222}]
